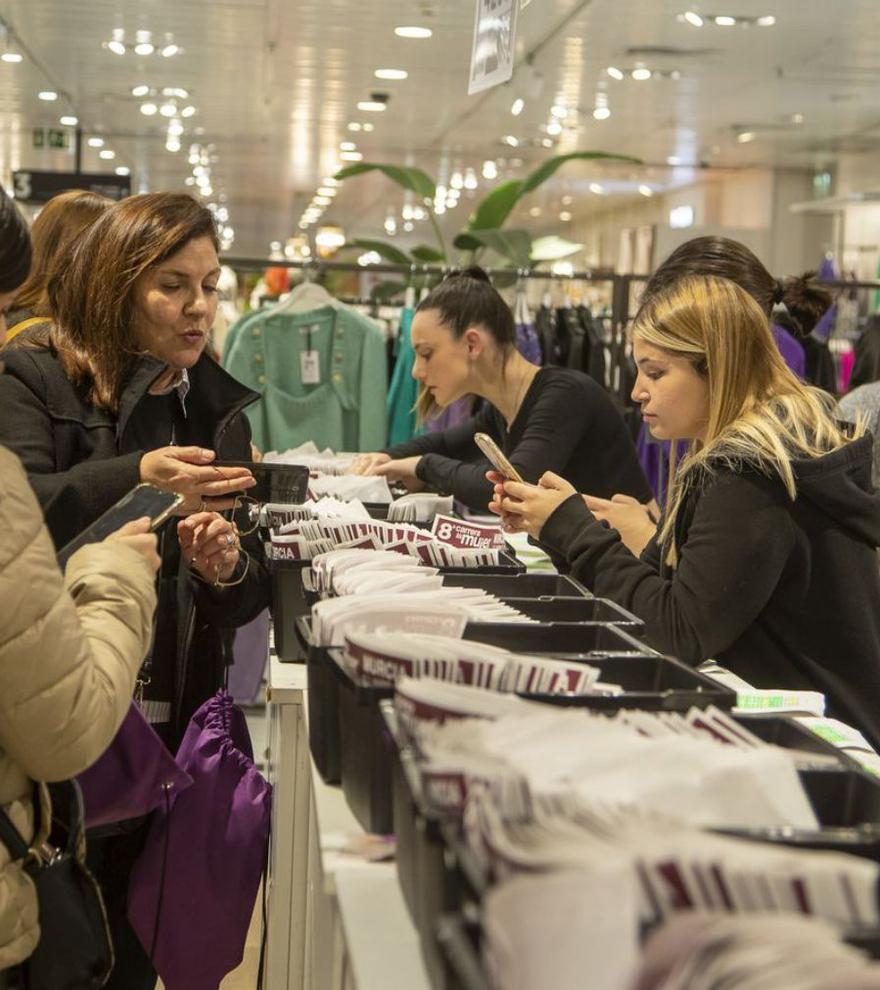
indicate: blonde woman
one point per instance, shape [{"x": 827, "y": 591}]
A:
[{"x": 765, "y": 557}]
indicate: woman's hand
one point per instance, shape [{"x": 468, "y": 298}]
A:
[
  {"x": 188, "y": 471},
  {"x": 403, "y": 470},
  {"x": 368, "y": 463},
  {"x": 209, "y": 543},
  {"x": 628, "y": 516},
  {"x": 532, "y": 505},
  {"x": 136, "y": 535}
]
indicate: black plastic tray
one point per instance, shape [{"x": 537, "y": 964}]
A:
[
  {"x": 288, "y": 604},
  {"x": 552, "y": 609},
  {"x": 521, "y": 585}
]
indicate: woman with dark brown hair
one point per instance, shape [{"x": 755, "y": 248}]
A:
[
  {"x": 117, "y": 391},
  {"x": 52, "y": 234}
]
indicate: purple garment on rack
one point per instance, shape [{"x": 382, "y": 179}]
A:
[
  {"x": 454, "y": 414},
  {"x": 527, "y": 342},
  {"x": 251, "y": 653},
  {"x": 654, "y": 458},
  {"x": 791, "y": 349},
  {"x": 823, "y": 328}
]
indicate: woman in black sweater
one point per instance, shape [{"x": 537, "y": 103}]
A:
[
  {"x": 464, "y": 339},
  {"x": 765, "y": 559}
]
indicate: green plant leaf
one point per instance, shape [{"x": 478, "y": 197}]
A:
[
  {"x": 504, "y": 279},
  {"x": 495, "y": 208},
  {"x": 427, "y": 254},
  {"x": 387, "y": 251},
  {"x": 465, "y": 242},
  {"x": 553, "y": 248},
  {"x": 514, "y": 245},
  {"x": 385, "y": 291},
  {"x": 544, "y": 171},
  {"x": 407, "y": 177}
]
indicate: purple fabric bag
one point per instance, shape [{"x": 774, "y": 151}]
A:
[
  {"x": 128, "y": 781},
  {"x": 193, "y": 888}
]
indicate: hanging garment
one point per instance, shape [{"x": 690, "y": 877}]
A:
[
  {"x": 322, "y": 376},
  {"x": 791, "y": 349},
  {"x": 867, "y": 367},
  {"x": 598, "y": 355},
  {"x": 404, "y": 390},
  {"x": 545, "y": 328},
  {"x": 527, "y": 342},
  {"x": 820, "y": 365}
]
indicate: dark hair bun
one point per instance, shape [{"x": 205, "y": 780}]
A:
[
  {"x": 805, "y": 302},
  {"x": 473, "y": 271}
]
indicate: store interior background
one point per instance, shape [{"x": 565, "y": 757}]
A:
[{"x": 766, "y": 129}]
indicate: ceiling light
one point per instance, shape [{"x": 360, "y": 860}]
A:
[
  {"x": 172, "y": 144},
  {"x": 646, "y": 190},
  {"x": 175, "y": 128},
  {"x": 745, "y": 137},
  {"x": 189, "y": 181},
  {"x": 490, "y": 170},
  {"x": 347, "y": 146},
  {"x": 354, "y": 126},
  {"x": 390, "y": 226},
  {"x": 170, "y": 50},
  {"x": 187, "y": 111},
  {"x": 48, "y": 95},
  {"x": 673, "y": 160},
  {"x": 470, "y": 179},
  {"x": 409, "y": 226},
  {"x": 330, "y": 237},
  {"x": 330, "y": 181},
  {"x": 168, "y": 109},
  {"x": 140, "y": 90},
  {"x": 554, "y": 127},
  {"x": 725, "y": 21},
  {"x": 69, "y": 121},
  {"x": 371, "y": 106},
  {"x": 692, "y": 17},
  {"x": 369, "y": 127},
  {"x": 614, "y": 72},
  {"x": 107, "y": 154},
  {"x": 456, "y": 180},
  {"x": 96, "y": 142},
  {"x": 517, "y": 107},
  {"x": 535, "y": 211},
  {"x": 641, "y": 74},
  {"x": 413, "y": 32},
  {"x": 546, "y": 143},
  {"x": 596, "y": 189},
  {"x": 327, "y": 191},
  {"x": 602, "y": 113},
  {"x": 144, "y": 48},
  {"x": 797, "y": 118},
  {"x": 322, "y": 200},
  {"x": 175, "y": 91},
  {"x": 559, "y": 111},
  {"x": 394, "y": 74},
  {"x": 116, "y": 47},
  {"x": 565, "y": 216},
  {"x": 11, "y": 57},
  {"x": 122, "y": 170},
  {"x": 567, "y": 200},
  {"x": 351, "y": 156},
  {"x": 510, "y": 140},
  {"x": 768, "y": 21}
]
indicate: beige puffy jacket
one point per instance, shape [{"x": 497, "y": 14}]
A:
[{"x": 70, "y": 649}]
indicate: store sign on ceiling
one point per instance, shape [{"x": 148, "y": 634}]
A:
[
  {"x": 493, "y": 50},
  {"x": 31, "y": 186}
]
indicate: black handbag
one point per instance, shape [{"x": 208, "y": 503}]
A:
[{"x": 75, "y": 951}]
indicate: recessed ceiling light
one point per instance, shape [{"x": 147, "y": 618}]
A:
[
  {"x": 554, "y": 127},
  {"x": 327, "y": 191},
  {"x": 392, "y": 74},
  {"x": 641, "y": 74},
  {"x": 347, "y": 146},
  {"x": 614, "y": 72},
  {"x": 351, "y": 156},
  {"x": 69, "y": 121},
  {"x": 745, "y": 137},
  {"x": 354, "y": 126},
  {"x": 322, "y": 201},
  {"x": 413, "y": 32},
  {"x": 511, "y": 140},
  {"x": 144, "y": 48},
  {"x": 96, "y": 142},
  {"x": 602, "y": 113},
  {"x": 646, "y": 190},
  {"x": 369, "y": 127},
  {"x": 11, "y": 57},
  {"x": 490, "y": 169},
  {"x": 172, "y": 144},
  {"x": 168, "y": 109},
  {"x": 148, "y": 109},
  {"x": 559, "y": 111},
  {"x": 107, "y": 154},
  {"x": 48, "y": 95},
  {"x": 371, "y": 106},
  {"x": 767, "y": 21},
  {"x": 116, "y": 47},
  {"x": 170, "y": 50},
  {"x": 140, "y": 90},
  {"x": 692, "y": 17},
  {"x": 546, "y": 143},
  {"x": 122, "y": 170},
  {"x": 673, "y": 160},
  {"x": 597, "y": 189},
  {"x": 187, "y": 111},
  {"x": 797, "y": 118},
  {"x": 565, "y": 216},
  {"x": 535, "y": 211},
  {"x": 517, "y": 107},
  {"x": 724, "y": 20}
]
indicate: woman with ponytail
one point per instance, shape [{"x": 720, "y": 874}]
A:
[{"x": 765, "y": 559}]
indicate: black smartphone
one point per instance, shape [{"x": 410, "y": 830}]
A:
[
  {"x": 283, "y": 483},
  {"x": 143, "y": 500}
]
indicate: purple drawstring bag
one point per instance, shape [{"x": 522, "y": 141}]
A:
[
  {"x": 193, "y": 888},
  {"x": 130, "y": 778}
]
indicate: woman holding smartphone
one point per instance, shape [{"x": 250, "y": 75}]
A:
[
  {"x": 765, "y": 559},
  {"x": 541, "y": 418},
  {"x": 117, "y": 391}
]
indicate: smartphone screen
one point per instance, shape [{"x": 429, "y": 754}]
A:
[
  {"x": 144, "y": 500},
  {"x": 282, "y": 483}
]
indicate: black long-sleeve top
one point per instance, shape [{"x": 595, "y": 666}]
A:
[{"x": 566, "y": 424}]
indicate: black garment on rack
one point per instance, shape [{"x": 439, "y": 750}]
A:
[
  {"x": 598, "y": 360},
  {"x": 867, "y": 366},
  {"x": 567, "y": 424},
  {"x": 819, "y": 364},
  {"x": 545, "y": 327}
]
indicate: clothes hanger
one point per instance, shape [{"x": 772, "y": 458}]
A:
[{"x": 306, "y": 296}]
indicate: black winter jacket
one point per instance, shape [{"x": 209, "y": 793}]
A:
[
  {"x": 785, "y": 594},
  {"x": 80, "y": 460}
]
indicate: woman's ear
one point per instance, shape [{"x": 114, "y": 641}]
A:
[{"x": 474, "y": 342}]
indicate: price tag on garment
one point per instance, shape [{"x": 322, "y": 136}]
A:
[
  {"x": 466, "y": 535},
  {"x": 310, "y": 367}
]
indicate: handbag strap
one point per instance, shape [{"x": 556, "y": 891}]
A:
[{"x": 11, "y": 837}]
